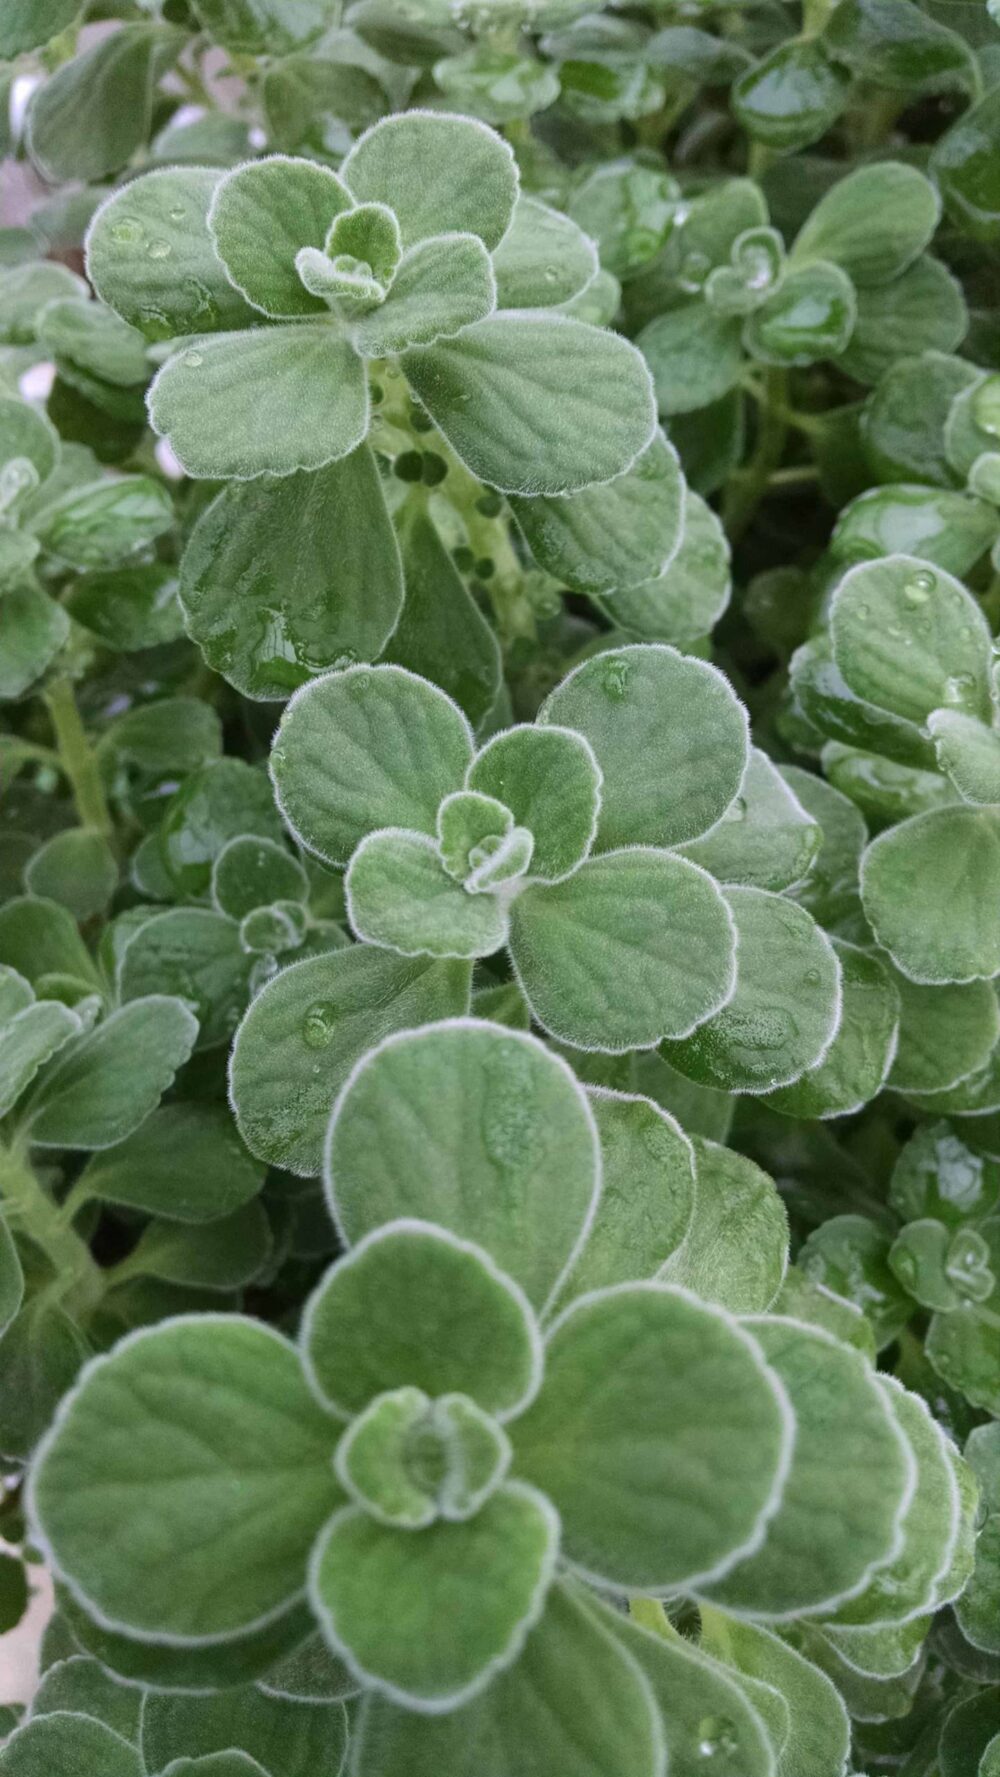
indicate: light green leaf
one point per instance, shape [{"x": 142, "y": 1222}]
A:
[
  {"x": 400, "y": 896},
  {"x": 647, "y": 1193},
  {"x": 574, "y": 1695},
  {"x": 670, "y": 737},
  {"x": 28, "y": 1041},
  {"x": 846, "y": 1489},
  {"x": 409, "y": 1460},
  {"x": 810, "y": 315},
  {"x": 543, "y": 259},
  {"x": 185, "y": 1162},
  {"x": 873, "y": 223},
  {"x": 831, "y": 888},
  {"x": 64, "y": 1745},
  {"x": 205, "y": 1420},
  {"x": 437, "y": 173},
  {"x": 441, "y": 632},
  {"x": 481, "y": 1128},
  {"x": 412, "y": 1306},
  {"x": 636, "y": 946},
  {"x": 285, "y": 1738},
  {"x": 634, "y": 1507},
  {"x": 24, "y": 292},
  {"x": 223, "y": 1663},
  {"x": 785, "y": 1012},
  {"x": 535, "y": 403},
  {"x": 363, "y": 749},
  {"x": 150, "y": 256},
  {"x": 24, "y": 432},
  {"x": 95, "y": 340},
  {"x": 923, "y": 310},
  {"x": 252, "y": 871},
  {"x": 550, "y": 781},
  {"x": 343, "y": 601},
  {"x": 102, "y": 523},
  {"x": 945, "y": 1034},
  {"x": 429, "y": 1620},
  {"x": 969, "y": 752},
  {"x": 77, "y": 868},
  {"x": 765, "y": 839},
  {"x": 978, "y": 1608},
  {"x": 615, "y": 535},
  {"x": 108, "y": 1082},
  {"x": 82, "y": 1686},
  {"x": 196, "y": 955},
  {"x": 941, "y": 525},
  {"x": 735, "y": 1252},
  {"x": 305, "y": 1030},
  {"x": 686, "y": 601},
  {"x": 946, "y": 661},
  {"x": 859, "y": 1059},
  {"x": 792, "y": 96},
  {"x": 819, "y": 1729},
  {"x": 93, "y": 112},
  {"x": 962, "y": 1347},
  {"x": 929, "y": 887},
  {"x": 34, "y": 630},
  {"x": 695, "y": 356},
  {"x": 267, "y": 401},
  {"x": 828, "y": 702},
  {"x": 963, "y": 162},
  {"x": 441, "y": 286},
  {"x": 261, "y": 215}
]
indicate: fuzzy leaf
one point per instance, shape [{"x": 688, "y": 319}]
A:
[
  {"x": 285, "y": 1738},
  {"x": 64, "y": 1745},
  {"x": 686, "y": 601},
  {"x": 28, "y": 1041},
  {"x": 929, "y": 886},
  {"x": 108, "y": 1082},
  {"x": 735, "y": 1251},
  {"x": 946, "y": 661},
  {"x": 549, "y": 780},
  {"x": 94, "y": 111},
  {"x": 195, "y": 954},
  {"x": 873, "y": 223},
  {"x": 614, "y": 535},
  {"x": 858, "y": 1061},
  {"x": 441, "y": 632},
  {"x": 185, "y": 1162},
  {"x": 82, "y": 1686},
  {"x": 440, "y": 286},
  {"x": 261, "y": 215},
  {"x": 400, "y": 896},
  {"x": 765, "y": 839},
  {"x": 970, "y": 754},
  {"x": 437, "y": 173},
  {"x": 544, "y": 258},
  {"x": 694, "y": 354}
]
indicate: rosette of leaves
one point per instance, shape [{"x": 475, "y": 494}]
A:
[
  {"x": 857, "y": 286},
  {"x": 61, "y": 519},
  {"x": 293, "y": 278},
  {"x": 424, "y": 1443}
]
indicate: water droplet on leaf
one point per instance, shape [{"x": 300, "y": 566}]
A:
[{"x": 319, "y": 1024}]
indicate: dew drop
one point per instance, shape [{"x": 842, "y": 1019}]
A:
[
  {"x": 177, "y": 213},
  {"x": 319, "y": 1024},
  {"x": 192, "y": 359},
  {"x": 550, "y": 274},
  {"x": 615, "y": 679},
  {"x": 716, "y": 1736},
  {"x": 958, "y": 689},
  {"x": 812, "y": 976},
  {"x": 349, "y": 657},
  {"x": 126, "y": 232},
  {"x": 159, "y": 249},
  {"x": 919, "y": 587}
]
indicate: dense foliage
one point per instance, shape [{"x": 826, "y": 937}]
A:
[{"x": 500, "y": 887}]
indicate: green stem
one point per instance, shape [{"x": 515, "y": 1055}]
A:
[
  {"x": 748, "y": 488},
  {"x": 77, "y": 756},
  {"x": 815, "y": 15},
  {"x": 79, "y": 1284}
]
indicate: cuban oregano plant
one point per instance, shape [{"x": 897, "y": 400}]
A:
[{"x": 499, "y": 861}]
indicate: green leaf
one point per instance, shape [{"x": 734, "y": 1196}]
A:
[
  {"x": 946, "y": 660},
  {"x": 964, "y": 163},
  {"x": 945, "y": 1034},
  {"x": 196, "y": 955},
  {"x": 35, "y": 628},
  {"x": 928, "y": 886},
  {"x": 400, "y": 896},
  {"x": 537, "y": 404},
  {"x": 810, "y": 315},
  {"x": 41, "y": 1352},
  {"x": 962, "y": 1349},
  {"x": 863, "y": 1051},
  {"x": 647, "y": 1193},
  {"x": 437, "y": 173},
  {"x": 636, "y": 946},
  {"x": 77, "y": 868},
  {"x": 262, "y": 214},
  {"x": 63, "y": 1745},
  {"x": 895, "y": 45},
  {"x": 938, "y": 1175},
  {"x": 441, "y": 632},
  {"x": 224, "y": 800},
  {"x": 309, "y": 1673},
  {"x": 903, "y": 422},
  {"x": 41, "y": 938},
  {"x": 735, "y": 1252},
  {"x": 924, "y": 308},
  {"x": 846, "y": 1489},
  {"x": 103, "y": 1087},
  {"x": 544, "y": 258},
  {"x": 695, "y": 355},
  {"x": 550, "y": 781},
  {"x": 827, "y": 700},
  {"x": 670, "y": 737},
  {"x": 412, "y": 1306},
  {"x": 977, "y": 1608},
  {"x": 441, "y": 285},
  {"x": 944, "y": 527},
  {"x": 24, "y": 292},
  {"x": 363, "y": 749},
  {"x": 819, "y": 1730},
  {"x": 216, "y": 1764},
  {"x": 347, "y": 592},
  {"x": 171, "y": 737},
  {"x": 618, "y": 534},
  {"x": 185, "y": 1162},
  {"x": 223, "y": 1663},
  {"x": 481, "y": 1128},
  {"x": 225, "y": 1254},
  {"x": 785, "y": 1012},
  {"x": 969, "y": 752},
  {"x": 101, "y": 524},
  {"x": 409, "y": 1460},
  {"x": 634, "y": 1507},
  {"x": 255, "y": 27},
  {"x": 497, "y": 85},
  {"x": 285, "y": 1738},
  {"x": 94, "y": 339},
  {"x": 575, "y": 1695},
  {"x": 28, "y": 1041},
  {"x": 765, "y": 839},
  {"x": 81, "y": 1686},
  {"x": 91, "y": 115},
  {"x": 128, "y": 608},
  {"x": 430, "y": 1621},
  {"x": 849, "y": 1255},
  {"x": 791, "y": 97},
  {"x": 150, "y": 256},
  {"x": 205, "y": 1420},
  {"x": 305, "y": 1030},
  {"x": 27, "y": 24},
  {"x": 24, "y": 432},
  {"x": 968, "y": 1734},
  {"x": 873, "y": 223},
  {"x": 252, "y": 871},
  {"x": 686, "y": 601},
  {"x": 11, "y": 1278},
  {"x": 267, "y": 401}
]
